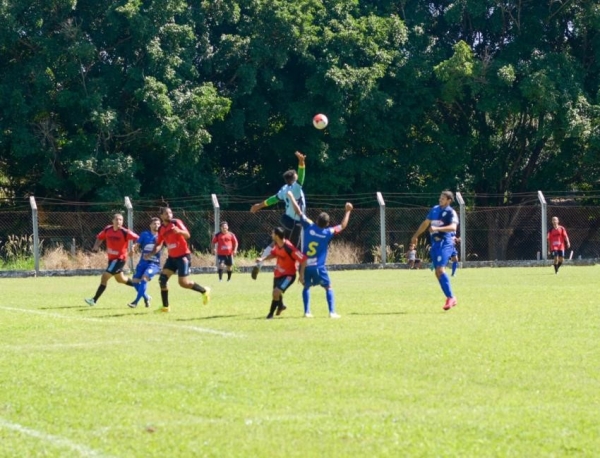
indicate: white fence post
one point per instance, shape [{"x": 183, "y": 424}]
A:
[
  {"x": 544, "y": 217},
  {"x": 36, "y": 238},
  {"x": 463, "y": 226},
  {"x": 217, "y": 210},
  {"x": 381, "y": 203},
  {"x": 129, "y": 208}
]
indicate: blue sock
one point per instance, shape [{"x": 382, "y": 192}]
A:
[
  {"x": 454, "y": 266},
  {"x": 141, "y": 289},
  {"x": 306, "y": 299},
  {"x": 445, "y": 284},
  {"x": 330, "y": 300}
]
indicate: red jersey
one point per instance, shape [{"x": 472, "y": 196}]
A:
[
  {"x": 177, "y": 245},
  {"x": 287, "y": 256},
  {"x": 557, "y": 238},
  {"x": 226, "y": 243},
  {"x": 116, "y": 241}
]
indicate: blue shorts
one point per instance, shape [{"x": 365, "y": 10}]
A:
[
  {"x": 441, "y": 252},
  {"x": 558, "y": 253},
  {"x": 316, "y": 276},
  {"x": 146, "y": 268}
]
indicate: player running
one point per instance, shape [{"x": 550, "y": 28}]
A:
[
  {"x": 442, "y": 222},
  {"x": 146, "y": 268}
]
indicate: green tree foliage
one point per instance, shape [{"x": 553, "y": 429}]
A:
[{"x": 101, "y": 99}]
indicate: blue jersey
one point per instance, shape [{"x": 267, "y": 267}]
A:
[
  {"x": 316, "y": 242},
  {"x": 296, "y": 190},
  {"x": 442, "y": 217},
  {"x": 147, "y": 242}
]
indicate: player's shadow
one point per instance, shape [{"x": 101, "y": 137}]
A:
[
  {"x": 203, "y": 318},
  {"x": 377, "y": 313},
  {"x": 63, "y": 307}
]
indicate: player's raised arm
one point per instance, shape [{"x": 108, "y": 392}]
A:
[
  {"x": 348, "y": 207},
  {"x": 297, "y": 208},
  {"x": 301, "y": 167}
]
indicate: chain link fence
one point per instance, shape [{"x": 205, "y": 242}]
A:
[{"x": 376, "y": 234}]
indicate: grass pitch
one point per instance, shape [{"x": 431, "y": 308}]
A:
[{"x": 513, "y": 370}]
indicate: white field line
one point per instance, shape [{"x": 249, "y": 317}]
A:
[
  {"x": 100, "y": 320},
  {"x": 58, "y": 346},
  {"x": 54, "y": 440}
]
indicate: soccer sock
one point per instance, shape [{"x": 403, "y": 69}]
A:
[
  {"x": 273, "y": 308},
  {"x": 558, "y": 265},
  {"x": 130, "y": 283},
  {"x": 164, "y": 295},
  {"x": 229, "y": 275},
  {"x": 454, "y": 266},
  {"x": 555, "y": 267},
  {"x": 141, "y": 289},
  {"x": 330, "y": 300},
  {"x": 220, "y": 271},
  {"x": 99, "y": 292},
  {"x": 197, "y": 287},
  {"x": 306, "y": 299},
  {"x": 445, "y": 284}
]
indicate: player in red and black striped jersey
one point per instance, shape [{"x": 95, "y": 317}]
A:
[
  {"x": 174, "y": 235},
  {"x": 116, "y": 237},
  {"x": 288, "y": 257}
]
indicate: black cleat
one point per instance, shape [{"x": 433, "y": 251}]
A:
[{"x": 255, "y": 271}]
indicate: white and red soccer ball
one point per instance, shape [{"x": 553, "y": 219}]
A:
[{"x": 320, "y": 121}]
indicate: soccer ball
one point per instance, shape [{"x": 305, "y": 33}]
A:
[{"x": 320, "y": 121}]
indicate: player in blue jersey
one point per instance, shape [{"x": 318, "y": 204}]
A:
[
  {"x": 442, "y": 222},
  {"x": 290, "y": 221},
  {"x": 316, "y": 240},
  {"x": 149, "y": 264}
]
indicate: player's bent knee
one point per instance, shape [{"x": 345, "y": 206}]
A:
[{"x": 162, "y": 281}]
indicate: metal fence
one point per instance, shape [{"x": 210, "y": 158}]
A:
[{"x": 380, "y": 234}]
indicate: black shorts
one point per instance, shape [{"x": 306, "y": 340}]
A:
[
  {"x": 180, "y": 265},
  {"x": 115, "y": 266},
  {"x": 292, "y": 229},
  {"x": 558, "y": 254},
  {"x": 283, "y": 283},
  {"x": 226, "y": 259}
]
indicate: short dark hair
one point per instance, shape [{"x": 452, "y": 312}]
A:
[
  {"x": 323, "y": 220},
  {"x": 279, "y": 232},
  {"x": 223, "y": 223},
  {"x": 155, "y": 218},
  {"x": 164, "y": 209},
  {"x": 289, "y": 176}
]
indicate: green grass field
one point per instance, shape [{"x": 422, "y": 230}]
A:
[{"x": 513, "y": 370}]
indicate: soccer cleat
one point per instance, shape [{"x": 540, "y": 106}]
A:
[
  {"x": 450, "y": 302},
  {"x": 255, "y": 271},
  {"x": 132, "y": 305},
  {"x": 163, "y": 310},
  {"x": 90, "y": 302},
  {"x": 334, "y": 315},
  {"x": 308, "y": 315},
  {"x": 206, "y": 296},
  {"x": 269, "y": 317},
  {"x": 280, "y": 309},
  {"x": 148, "y": 301}
]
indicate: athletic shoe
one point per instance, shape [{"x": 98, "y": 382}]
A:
[
  {"x": 450, "y": 302},
  {"x": 148, "y": 301},
  {"x": 308, "y": 315},
  {"x": 334, "y": 315},
  {"x": 255, "y": 271},
  {"x": 163, "y": 310},
  {"x": 280, "y": 309},
  {"x": 206, "y": 296},
  {"x": 132, "y": 305},
  {"x": 91, "y": 302},
  {"x": 269, "y": 317}
]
